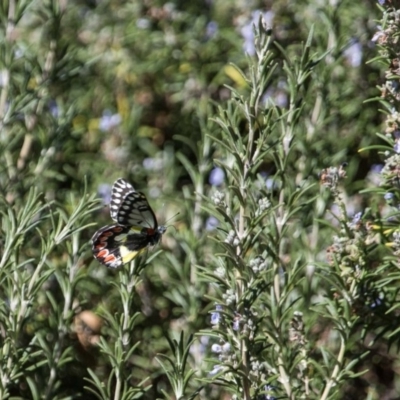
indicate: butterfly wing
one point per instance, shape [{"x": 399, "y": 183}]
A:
[
  {"x": 136, "y": 227},
  {"x": 129, "y": 207},
  {"x": 115, "y": 245}
]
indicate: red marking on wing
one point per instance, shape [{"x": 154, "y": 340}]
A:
[
  {"x": 102, "y": 253},
  {"x": 109, "y": 258}
]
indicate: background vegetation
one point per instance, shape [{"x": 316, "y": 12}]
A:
[{"x": 272, "y": 127}]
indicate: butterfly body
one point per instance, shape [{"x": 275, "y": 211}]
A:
[{"x": 135, "y": 230}]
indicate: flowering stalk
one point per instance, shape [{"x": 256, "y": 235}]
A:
[{"x": 255, "y": 222}]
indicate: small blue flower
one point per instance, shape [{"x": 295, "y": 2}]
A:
[
  {"x": 217, "y": 176},
  {"x": 271, "y": 184},
  {"x": 216, "y": 316},
  {"x": 378, "y": 35},
  {"x": 143, "y": 23},
  {"x": 109, "y": 121},
  {"x": 355, "y": 223},
  {"x": 357, "y": 218},
  {"x": 377, "y": 168},
  {"x": 104, "y": 192},
  {"x": 388, "y": 196},
  {"x": 153, "y": 164},
  {"x": 215, "y": 370},
  {"x": 211, "y": 29},
  {"x": 226, "y": 348},
  {"x": 211, "y": 223},
  {"x": 216, "y": 348},
  {"x": 267, "y": 388},
  {"x": 354, "y": 54},
  {"x": 236, "y": 324},
  {"x": 393, "y": 85},
  {"x": 377, "y": 302},
  {"x": 54, "y": 111}
]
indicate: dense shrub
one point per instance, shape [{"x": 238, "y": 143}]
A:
[{"x": 251, "y": 127}]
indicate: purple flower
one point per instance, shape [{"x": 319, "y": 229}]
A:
[
  {"x": 217, "y": 176},
  {"x": 153, "y": 164},
  {"x": 357, "y": 218},
  {"x": 143, "y": 23},
  {"x": 211, "y": 29},
  {"x": 354, "y": 54},
  {"x": 109, "y": 121},
  {"x": 215, "y": 370},
  {"x": 104, "y": 192},
  {"x": 388, "y": 196},
  {"x": 236, "y": 323},
  {"x": 377, "y": 168},
  {"x": 216, "y": 348},
  {"x": 377, "y": 302},
  {"x": 54, "y": 111},
  {"x": 216, "y": 316},
  {"x": 378, "y": 35},
  {"x": 203, "y": 344},
  {"x": 211, "y": 223},
  {"x": 267, "y": 388},
  {"x": 226, "y": 347}
]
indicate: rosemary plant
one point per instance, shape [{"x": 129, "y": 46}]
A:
[{"x": 279, "y": 277}]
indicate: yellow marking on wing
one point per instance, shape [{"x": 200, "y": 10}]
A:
[
  {"x": 128, "y": 255},
  {"x": 135, "y": 229}
]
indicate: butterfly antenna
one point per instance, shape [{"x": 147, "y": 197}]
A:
[{"x": 169, "y": 219}]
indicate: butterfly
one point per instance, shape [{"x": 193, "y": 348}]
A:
[{"x": 135, "y": 230}]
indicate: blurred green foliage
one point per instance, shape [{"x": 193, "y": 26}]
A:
[{"x": 95, "y": 90}]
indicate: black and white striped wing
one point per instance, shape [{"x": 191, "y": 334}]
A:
[{"x": 129, "y": 207}]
